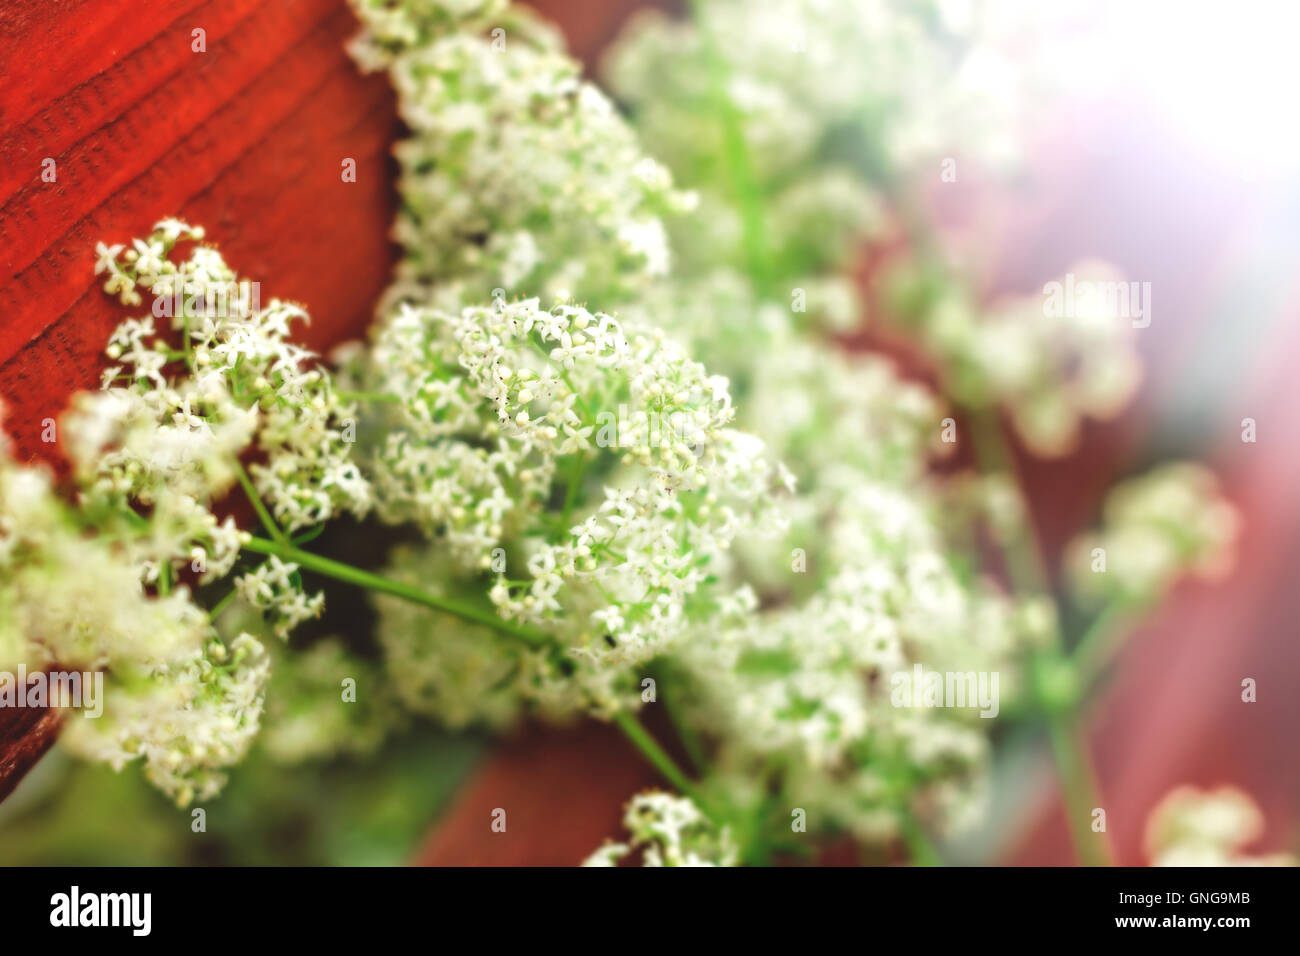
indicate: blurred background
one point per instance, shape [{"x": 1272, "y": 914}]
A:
[{"x": 1169, "y": 149}]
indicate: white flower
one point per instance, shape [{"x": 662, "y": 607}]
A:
[
  {"x": 669, "y": 831},
  {"x": 272, "y": 587},
  {"x": 1157, "y": 526},
  {"x": 188, "y": 719},
  {"x": 519, "y": 151},
  {"x": 1192, "y": 827}
]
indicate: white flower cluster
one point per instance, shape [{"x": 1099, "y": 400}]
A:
[
  {"x": 460, "y": 674},
  {"x": 1193, "y": 827},
  {"x": 801, "y": 122},
  {"x": 1171, "y": 521},
  {"x": 668, "y": 831},
  {"x": 70, "y": 598},
  {"x": 167, "y": 431},
  {"x": 393, "y": 27},
  {"x": 518, "y": 175},
  {"x": 235, "y": 376},
  {"x": 1049, "y": 371},
  {"x": 106, "y": 584},
  {"x": 791, "y": 120},
  {"x": 595, "y": 454},
  {"x": 275, "y": 588},
  {"x": 176, "y": 695},
  {"x": 914, "y": 76},
  {"x": 797, "y": 675},
  {"x": 187, "y": 719},
  {"x": 508, "y": 410},
  {"x": 809, "y": 685}
]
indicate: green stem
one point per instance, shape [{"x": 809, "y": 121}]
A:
[
  {"x": 749, "y": 196},
  {"x": 255, "y": 500},
  {"x": 222, "y": 605},
  {"x": 739, "y": 168},
  {"x": 919, "y": 847},
  {"x": 1078, "y": 790},
  {"x": 576, "y": 472},
  {"x": 689, "y": 738},
  {"x": 1025, "y": 564},
  {"x": 1022, "y": 555},
  {"x": 1103, "y": 639},
  {"x": 374, "y": 582},
  {"x": 657, "y": 756},
  {"x": 577, "y": 393}
]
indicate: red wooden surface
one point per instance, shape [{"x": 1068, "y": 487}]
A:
[
  {"x": 25, "y": 734},
  {"x": 563, "y": 794},
  {"x": 246, "y": 139}
]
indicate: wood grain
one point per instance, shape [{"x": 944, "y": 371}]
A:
[
  {"x": 246, "y": 139},
  {"x": 25, "y": 734}
]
